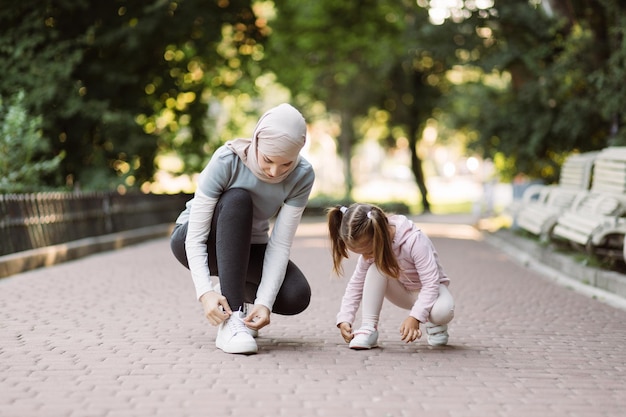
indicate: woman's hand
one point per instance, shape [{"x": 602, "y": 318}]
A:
[
  {"x": 258, "y": 318},
  {"x": 410, "y": 329},
  {"x": 216, "y": 308},
  {"x": 346, "y": 331}
]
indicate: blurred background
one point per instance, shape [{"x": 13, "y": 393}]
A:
[{"x": 439, "y": 105}]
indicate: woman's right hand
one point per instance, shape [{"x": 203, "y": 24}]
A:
[
  {"x": 346, "y": 331},
  {"x": 211, "y": 303}
]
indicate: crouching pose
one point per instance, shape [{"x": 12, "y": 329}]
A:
[
  {"x": 223, "y": 234},
  {"x": 397, "y": 261}
]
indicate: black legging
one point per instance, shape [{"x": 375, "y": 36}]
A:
[{"x": 237, "y": 262}]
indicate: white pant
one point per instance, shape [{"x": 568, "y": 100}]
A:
[{"x": 378, "y": 287}]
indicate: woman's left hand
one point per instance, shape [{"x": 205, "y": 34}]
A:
[
  {"x": 258, "y": 318},
  {"x": 410, "y": 329}
]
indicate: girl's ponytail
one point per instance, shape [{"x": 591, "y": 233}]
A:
[
  {"x": 382, "y": 243},
  {"x": 338, "y": 246}
]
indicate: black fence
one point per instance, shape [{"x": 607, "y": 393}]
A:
[{"x": 30, "y": 221}]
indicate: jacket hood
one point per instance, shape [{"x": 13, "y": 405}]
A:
[{"x": 405, "y": 228}]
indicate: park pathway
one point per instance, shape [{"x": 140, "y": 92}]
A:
[{"x": 120, "y": 334}]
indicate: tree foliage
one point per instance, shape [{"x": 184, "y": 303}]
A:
[
  {"x": 337, "y": 53},
  {"x": 361, "y": 59},
  {"x": 24, "y": 158},
  {"x": 118, "y": 81},
  {"x": 565, "y": 92}
]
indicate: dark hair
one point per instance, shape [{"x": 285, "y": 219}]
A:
[{"x": 350, "y": 225}]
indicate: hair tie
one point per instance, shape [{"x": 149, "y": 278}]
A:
[
  {"x": 369, "y": 214},
  {"x": 343, "y": 209}
]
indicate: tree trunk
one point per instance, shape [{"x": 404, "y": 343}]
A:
[
  {"x": 416, "y": 167},
  {"x": 346, "y": 138}
]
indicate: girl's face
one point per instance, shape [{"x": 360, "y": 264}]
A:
[
  {"x": 364, "y": 247},
  {"x": 274, "y": 166}
]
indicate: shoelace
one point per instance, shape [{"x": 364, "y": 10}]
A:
[{"x": 236, "y": 324}]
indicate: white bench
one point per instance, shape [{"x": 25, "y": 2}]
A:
[
  {"x": 539, "y": 217},
  {"x": 576, "y": 170},
  {"x": 542, "y": 204},
  {"x": 596, "y": 220}
]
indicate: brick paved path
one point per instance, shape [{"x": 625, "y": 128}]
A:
[{"x": 119, "y": 334}]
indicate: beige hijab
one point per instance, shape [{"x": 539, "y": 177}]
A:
[{"x": 281, "y": 131}]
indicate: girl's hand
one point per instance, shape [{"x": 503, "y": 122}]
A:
[
  {"x": 258, "y": 318},
  {"x": 346, "y": 331},
  {"x": 410, "y": 329},
  {"x": 216, "y": 308}
]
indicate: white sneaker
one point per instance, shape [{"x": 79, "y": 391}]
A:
[
  {"x": 365, "y": 338},
  {"x": 233, "y": 336},
  {"x": 437, "y": 335},
  {"x": 246, "y": 309}
]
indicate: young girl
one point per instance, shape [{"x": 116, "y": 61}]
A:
[
  {"x": 223, "y": 232},
  {"x": 397, "y": 261}
]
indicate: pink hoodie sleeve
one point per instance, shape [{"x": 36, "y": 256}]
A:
[
  {"x": 425, "y": 258},
  {"x": 354, "y": 293}
]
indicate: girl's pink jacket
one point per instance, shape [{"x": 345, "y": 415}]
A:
[{"x": 421, "y": 271}]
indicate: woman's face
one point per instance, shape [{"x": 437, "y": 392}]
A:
[{"x": 274, "y": 166}]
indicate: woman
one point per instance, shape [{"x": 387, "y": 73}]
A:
[{"x": 223, "y": 234}]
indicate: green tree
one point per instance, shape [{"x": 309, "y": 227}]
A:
[
  {"x": 357, "y": 57},
  {"x": 24, "y": 157},
  {"x": 565, "y": 64},
  {"x": 118, "y": 81},
  {"x": 416, "y": 85},
  {"x": 336, "y": 53}
]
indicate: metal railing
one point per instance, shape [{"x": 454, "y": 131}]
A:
[{"x": 30, "y": 221}]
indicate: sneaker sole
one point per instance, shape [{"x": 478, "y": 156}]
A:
[
  {"x": 245, "y": 349},
  {"x": 357, "y": 347}
]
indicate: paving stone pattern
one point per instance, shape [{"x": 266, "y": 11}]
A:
[{"x": 120, "y": 334}]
